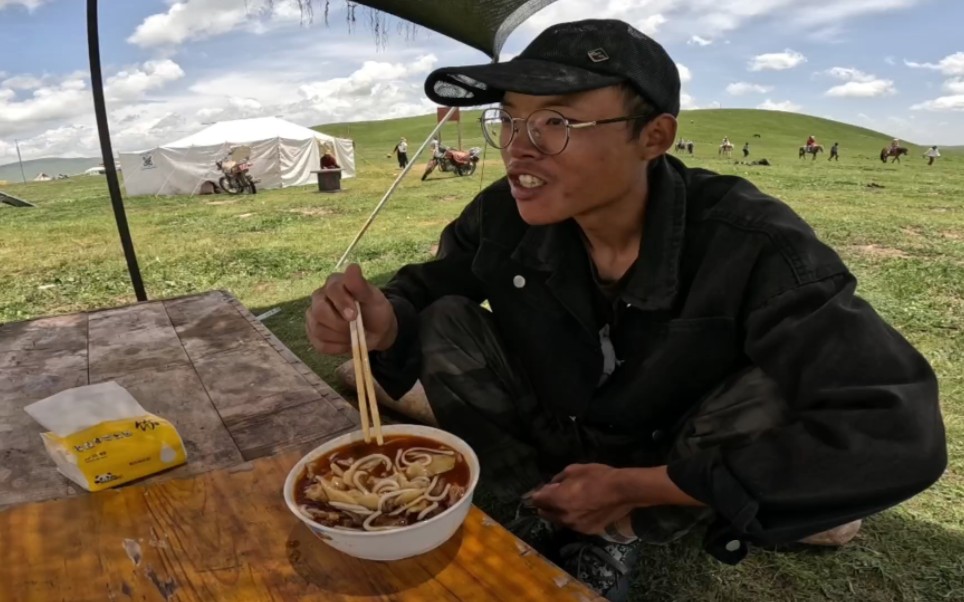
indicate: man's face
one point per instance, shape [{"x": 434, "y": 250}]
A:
[{"x": 600, "y": 165}]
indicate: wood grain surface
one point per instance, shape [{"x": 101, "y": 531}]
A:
[{"x": 227, "y": 535}]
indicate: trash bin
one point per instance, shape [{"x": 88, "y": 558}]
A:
[{"x": 329, "y": 180}]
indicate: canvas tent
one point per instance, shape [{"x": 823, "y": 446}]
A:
[
  {"x": 42, "y": 177},
  {"x": 282, "y": 154}
]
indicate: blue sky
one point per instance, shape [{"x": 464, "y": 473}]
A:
[{"x": 893, "y": 65}]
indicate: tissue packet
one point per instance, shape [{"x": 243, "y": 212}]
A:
[{"x": 100, "y": 437}]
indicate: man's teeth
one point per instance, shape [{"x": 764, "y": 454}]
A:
[{"x": 530, "y": 181}]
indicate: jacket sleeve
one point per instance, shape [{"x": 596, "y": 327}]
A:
[
  {"x": 865, "y": 434},
  {"x": 416, "y": 286}
]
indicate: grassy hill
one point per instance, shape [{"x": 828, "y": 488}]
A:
[
  {"x": 50, "y": 166},
  {"x": 780, "y": 133}
]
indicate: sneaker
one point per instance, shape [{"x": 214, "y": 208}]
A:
[
  {"x": 604, "y": 566},
  {"x": 532, "y": 528}
]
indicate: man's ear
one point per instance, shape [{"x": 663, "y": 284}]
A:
[{"x": 657, "y": 137}]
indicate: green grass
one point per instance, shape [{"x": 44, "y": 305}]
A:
[{"x": 904, "y": 241}]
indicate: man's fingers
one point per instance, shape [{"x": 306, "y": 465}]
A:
[
  {"x": 340, "y": 298},
  {"x": 356, "y": 285}
]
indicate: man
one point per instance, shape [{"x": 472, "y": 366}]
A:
[
  {"x": 401, "y": 151},
  {"x": 811, "y": 142},
  {"x": 746, "y": 150},
  {"x": 834, "y": 152},
  {"x": 665, "y": 347},
  {"x": 932, "y": 154}
]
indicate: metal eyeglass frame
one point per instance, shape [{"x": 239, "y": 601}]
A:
[{"x": 569, "y": 123}]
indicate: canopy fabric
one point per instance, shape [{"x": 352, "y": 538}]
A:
[
  {"x": 484, "y": 25},
  {"x": 283, "y": 154}
]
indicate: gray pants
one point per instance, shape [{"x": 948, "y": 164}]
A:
[{"x": 476, "y": 392}]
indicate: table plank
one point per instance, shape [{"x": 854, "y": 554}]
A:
[
  {"x": 132, "y": 338},
  {"x": 37, "y": 359},
  {"x": 227, "y": 535}
]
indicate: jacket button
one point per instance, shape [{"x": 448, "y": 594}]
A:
[
  {"x": 657, "y": 435},
  {"x": 518, "y": 281},
  {"x": 732, "y": 545}
]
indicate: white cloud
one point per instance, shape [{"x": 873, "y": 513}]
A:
[
  {"x": 193, "y": 19},
  {"x": 871, "y": 89},
  {"x": 941, "y": 104},
  {"x": 954, "y": 86},
  {"x": 63, "y": 100},
  {"x": 133, "y": 83},
  {"x": 776, "y": 61},
  {"x": 22, "y": 82},
  {"x": 741, "y": 88},
  {"x": 849, "y": 74},
  {"x": 699, "y": 41},
  {"x": 784, "y": 105},
  {"x": 651, "y": 24},
  {"x": 858, "y": 84},
  {"x": 890, "y": 60},
  {"x": 687, "y": 102},
  {"x": 685, "y": 75},
  {"x": 951, "y": 65},
  {"x": 30, "y": 5}
]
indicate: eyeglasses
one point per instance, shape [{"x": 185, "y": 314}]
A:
[{"x": 548, "y": 130}]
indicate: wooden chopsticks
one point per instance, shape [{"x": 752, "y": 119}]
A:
[{"x": 364, "y": 383}]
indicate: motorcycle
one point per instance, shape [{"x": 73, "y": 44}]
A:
[
  {"x": 461, "y": 162},
  {"x": 235, "y": 168}
]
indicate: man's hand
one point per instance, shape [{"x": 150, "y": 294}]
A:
[
  {"x": 333, "y": 307},
  {"x": 589, "y": 497},
  {"x": 584, "y": 497}
]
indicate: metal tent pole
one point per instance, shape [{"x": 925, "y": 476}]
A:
[{"x": 113, "y": 185}]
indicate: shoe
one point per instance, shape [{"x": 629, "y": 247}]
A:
[
  {"x": 604, "y": 566},
  {"x": 533, "y": 529},
  {"x": 836, "y": 537}
]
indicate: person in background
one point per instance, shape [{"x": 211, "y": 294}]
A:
[
  {"x": 811, "y": 142},
  {"x": 894, "y": 144},
  {"x": 746, "y": 150},
  {"x": 834, "y": 152},
  {"x": 932, "y": 154},
  {"x": 328, "y": 160},
  {"x": 401, "y": 150}
]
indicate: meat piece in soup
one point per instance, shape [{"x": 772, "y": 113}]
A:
[{"x": 371, "y": 487}]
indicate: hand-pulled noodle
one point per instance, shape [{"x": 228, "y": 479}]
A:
[{"x": 374, "y": 488}]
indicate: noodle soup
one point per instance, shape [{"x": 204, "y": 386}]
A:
[{"x": 371, "y": 487}]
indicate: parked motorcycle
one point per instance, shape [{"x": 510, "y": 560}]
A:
[
  {"x": 235, "y": 167},
  {"x": 461, "y": 162}
]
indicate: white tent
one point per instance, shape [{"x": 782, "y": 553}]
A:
[
  {"x": 42, "y": 177},
  {"x": 282, "y": 154},
  {"x": 96, "y": 171}
]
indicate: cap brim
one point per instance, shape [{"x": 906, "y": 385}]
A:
[{"x": 484, "y": 84}]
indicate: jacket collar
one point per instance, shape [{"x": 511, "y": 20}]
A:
[{"x": 558, "y": 248}]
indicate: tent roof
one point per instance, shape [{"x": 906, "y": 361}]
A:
[
  {"x": 482, "y": 25},
  {"x": 237, "y": 131}
]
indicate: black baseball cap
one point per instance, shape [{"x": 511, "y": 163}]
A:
[{"x": 567, "y": 58}]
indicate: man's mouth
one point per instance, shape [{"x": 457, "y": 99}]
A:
[{"x": 529, "y": 181}]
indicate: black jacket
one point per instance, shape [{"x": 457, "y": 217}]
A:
[{"x": 728, "y": 277}]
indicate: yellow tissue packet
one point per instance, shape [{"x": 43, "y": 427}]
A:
[{"x": 100, "y": 437}]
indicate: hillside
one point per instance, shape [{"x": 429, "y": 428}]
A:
[
  {"x": 50, "y": 166},
  {"x": 780, "y": 133}
]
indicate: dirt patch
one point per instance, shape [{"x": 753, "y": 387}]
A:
[
  {"x": 450, "y": 197},
  {"x": 878, "y": 251},
  {"x": 225, "y": 202},
  {"x": 244, "y": 215},
  {"x": 434, "y": 250},
  {"x": 952, "y": 235},
  {"x": 312, "y": 211},
  {"x": 912, "y": 232}
]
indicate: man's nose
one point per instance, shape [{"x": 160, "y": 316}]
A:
[{"x": 521, "y": 146}]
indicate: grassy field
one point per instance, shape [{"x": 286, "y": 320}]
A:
[{"x": 899, "y": 227}]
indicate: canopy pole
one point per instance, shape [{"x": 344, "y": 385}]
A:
[
  {"x": 113, "y": 184},
  {"x": 391, "y": 189}
]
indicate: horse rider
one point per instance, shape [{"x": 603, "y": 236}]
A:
[
  {"x": 894, "y": 144},
  {"x": 726, "y": 141},
  {"x": 811, "y": 142}
]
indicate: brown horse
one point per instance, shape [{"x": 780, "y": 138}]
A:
[
  {"x": 813, "y": 150},
  {"x": 889, "y": 151}
]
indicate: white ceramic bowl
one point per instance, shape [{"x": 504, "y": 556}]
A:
[{"x": 398, "y": 543}]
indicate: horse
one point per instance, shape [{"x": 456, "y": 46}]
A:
[
  {"x": 685, "y": 145},
  {"x": 890, "y": 151},
  {"x": 726, "y": 149},
  {"x": 813, "y": 150}
]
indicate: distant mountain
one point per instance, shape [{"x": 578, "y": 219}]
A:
[{"x": 50, "y": 166}]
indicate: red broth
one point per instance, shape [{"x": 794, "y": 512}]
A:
[{"x": 457, "y": 480}]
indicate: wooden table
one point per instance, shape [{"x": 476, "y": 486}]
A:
[
  {"x": 233, "y": 391},
  {"x": 216, "y": 529}
]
